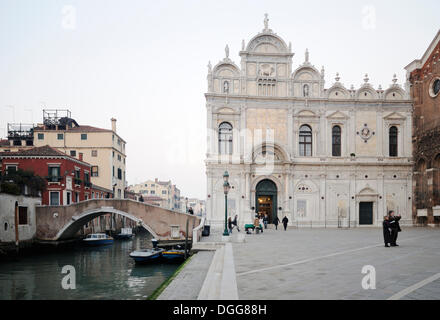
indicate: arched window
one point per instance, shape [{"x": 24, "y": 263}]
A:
[
  {"x": 393, "y": 141},
  {"x": 225, "y": 138},
  {"x": 336, "y": 141},
  {"x": 305, "y": 141}
]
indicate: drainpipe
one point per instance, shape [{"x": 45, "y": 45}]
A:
[{"x": 16, "y": 227}]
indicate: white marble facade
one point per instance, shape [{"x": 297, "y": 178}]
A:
[{"x": 262, "y": 108}]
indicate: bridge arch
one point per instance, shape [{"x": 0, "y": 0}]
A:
[
  {"x": 77, "y": 222},
  {"x": 63, "y": 222}
]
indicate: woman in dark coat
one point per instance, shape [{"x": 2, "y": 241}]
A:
[
  {"x": 275, "y": 222},
  {"x": 386, "y": 231},
  {"x": 230, "y": 225},
  {"x": 285, "y": 221}
]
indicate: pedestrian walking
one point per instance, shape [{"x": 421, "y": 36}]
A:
[
  {"x": 275, "y": 222},
  {"x": 230, "y": 225},
  {"x": 395, "y": 227},
  {"x": 235, "y": 223},
  {"x": 191, "y": 211},
  {"x": 285, "y": 222},
  {"x": 386, "y": 231},
  {"x": 265, "y": 220}
]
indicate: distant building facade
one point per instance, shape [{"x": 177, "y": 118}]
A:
[
  {"x": 198, "y": 206},
  {"x": 104, "y": 149},
  {"x": 424, "y": 76},
  {"x": 67, "y": 178},
  {"x": 320, "y": 156},
  {"x": 168, "y": 193}
]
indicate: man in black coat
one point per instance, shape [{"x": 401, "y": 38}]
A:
[
  {"x": 285, "y": 222},
  {"x": 386, "y": 231},
  {"x": 395, "y": 227},
  {"x": 275, "y": 222}
]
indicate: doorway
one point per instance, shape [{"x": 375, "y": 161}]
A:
[
  {"x": 266, "y": 199},
  {"x": 365, "y": 213}
]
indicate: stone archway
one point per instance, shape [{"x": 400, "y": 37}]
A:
[
  {"x": 72, "y": 227},
  {"x": 266, "y": 198}
]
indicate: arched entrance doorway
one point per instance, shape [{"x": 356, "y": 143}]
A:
[{"x": 266, "y": 199}]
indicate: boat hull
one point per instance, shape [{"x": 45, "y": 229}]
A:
[
  {"x": 172, "y": 256},
  {"x": 124, "y": 236},
  {"x": 98, "y": 242},
  {"x": 146, "y": 256}
]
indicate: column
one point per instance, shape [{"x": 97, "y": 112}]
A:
[
  {"x": 380, "y": 134},
  {"x": 210, "y": 142},
  {"x": 352, "y": 132},
  {"x": 290, "y": 131},
  {"x": 381, "y": 207}
]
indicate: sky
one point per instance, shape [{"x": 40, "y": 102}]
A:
[{"x": 145, "y": 63}]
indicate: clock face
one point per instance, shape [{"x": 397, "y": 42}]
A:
[{"x": 436, "y": 86}]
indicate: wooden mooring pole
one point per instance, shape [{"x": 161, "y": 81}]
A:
[
  {"x": 186, "y": 239},
  {"x": 17, "y": 240}
]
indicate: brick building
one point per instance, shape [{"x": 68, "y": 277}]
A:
[
  {"x": 67, "y": 178},
  {"x": 424, "y": 78}
]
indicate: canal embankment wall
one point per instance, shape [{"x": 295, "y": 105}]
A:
[{"x": 17, "y": 220}]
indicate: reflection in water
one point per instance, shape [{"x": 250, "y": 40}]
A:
[{"x": 101, "y": 273}]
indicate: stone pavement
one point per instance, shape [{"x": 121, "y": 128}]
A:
[
  {"x": 327, "y": 264},
  {"x": 188, "y": 283}
]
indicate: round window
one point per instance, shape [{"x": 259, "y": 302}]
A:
[{"x": 434, "y": 88}]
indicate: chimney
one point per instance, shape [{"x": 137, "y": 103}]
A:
[
  {"x": 113, "y": 124},
  {"x": 80, "y": 156}
]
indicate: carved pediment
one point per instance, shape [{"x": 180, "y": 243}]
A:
[
  {"x": 306, "y": 114},
  {"x": 367, "y": 191},
  {"x": 338, "y": 116},
  {"x": 395, "y": 116},
  {"x": 225, "y": 110}
]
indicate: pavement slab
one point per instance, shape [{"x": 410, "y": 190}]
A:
[{"x": 327, "y": 264}]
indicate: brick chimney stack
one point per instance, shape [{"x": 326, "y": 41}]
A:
[{"x": 113, "y": 124}]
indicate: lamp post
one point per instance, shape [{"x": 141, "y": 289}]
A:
[{"x": 226, "y": 187}]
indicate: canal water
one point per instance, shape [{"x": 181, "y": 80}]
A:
[{"x": 101, "y": 273}]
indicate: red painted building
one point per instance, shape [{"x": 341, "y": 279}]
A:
[{"x": 67, "y": 178}]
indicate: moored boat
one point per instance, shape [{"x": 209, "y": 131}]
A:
[
  {"x": 125, "y": 234},
  {"x": 174, "y": 255},
  {"x": 146, "y": 255},
  {"x": 97, "y": 239}
]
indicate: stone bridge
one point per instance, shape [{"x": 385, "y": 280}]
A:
[{"x": 64, "y": 222}]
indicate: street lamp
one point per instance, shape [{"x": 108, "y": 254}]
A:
[{"x": 226, "y": 187}]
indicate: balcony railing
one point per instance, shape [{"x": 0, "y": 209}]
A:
[
  {"x": 77, "y": 181},
  {"x": 87, "y": 184},
  {"x": 54, "y": 178}
]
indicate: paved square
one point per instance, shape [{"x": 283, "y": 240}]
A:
[{"x": 327, "y": 264}]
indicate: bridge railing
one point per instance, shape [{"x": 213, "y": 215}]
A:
[{"x": 197, "y": 231}]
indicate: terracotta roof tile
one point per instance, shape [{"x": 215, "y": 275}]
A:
[{"x": 44, "y": 151}]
